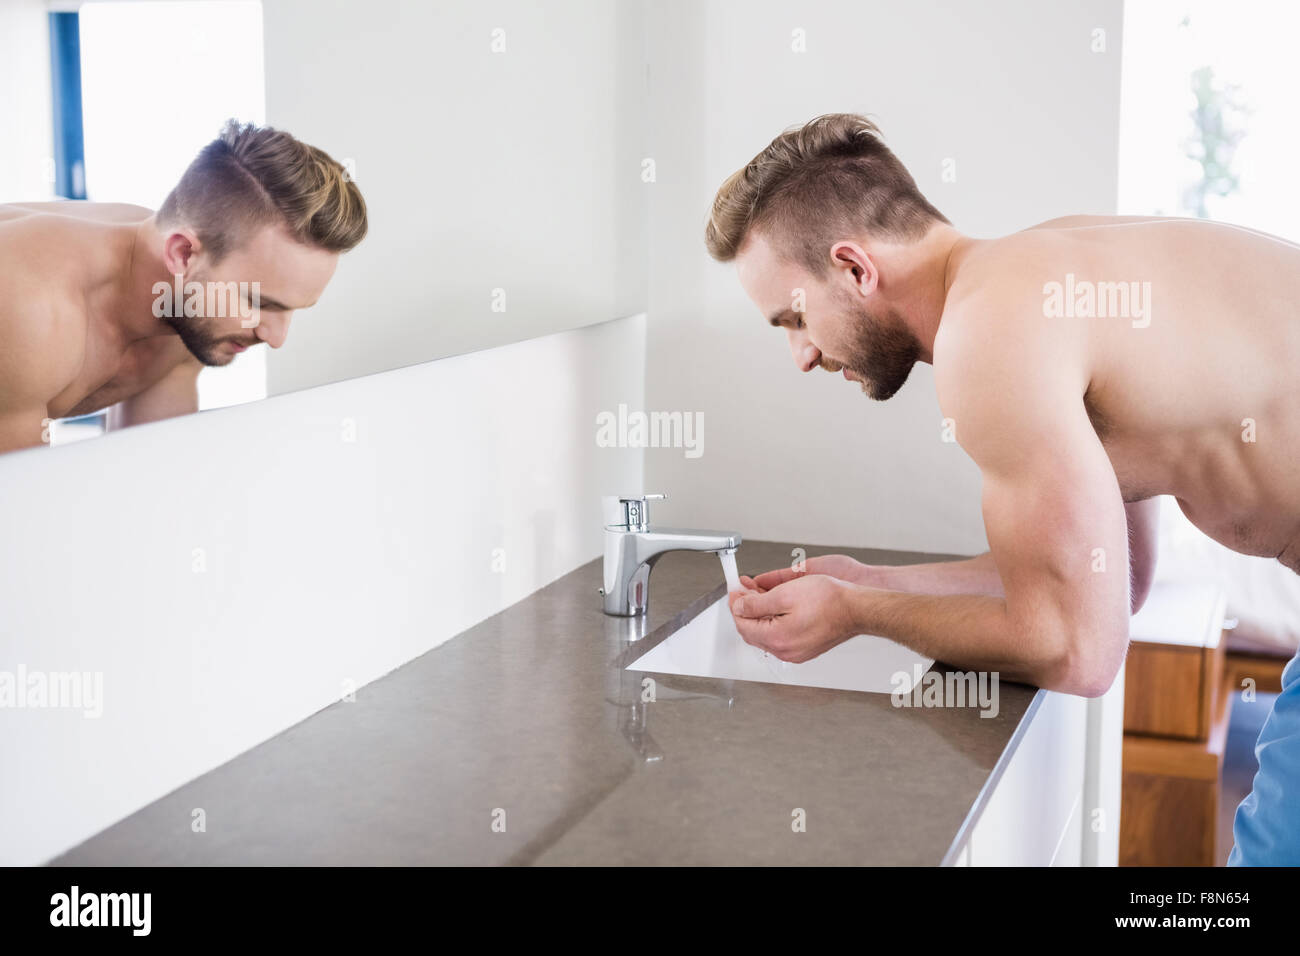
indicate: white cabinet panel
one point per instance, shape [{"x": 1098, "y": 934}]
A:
[{"x": 1034, "y": 815}]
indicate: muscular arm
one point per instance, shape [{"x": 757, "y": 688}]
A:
[
  {"x": 979, "y": 575},
  {"x": 32, "y": 369},
  {"x": 23, "y": 394},
  {"x": 1053, "y": 512},
  {"x": 1057, "y": 534},
  {"x": 176, "y": 393}
]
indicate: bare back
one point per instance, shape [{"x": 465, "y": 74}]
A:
[{"x": 1194, "y": 390}]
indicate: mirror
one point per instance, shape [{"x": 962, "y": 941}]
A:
[{"x": 496, "y": 148}]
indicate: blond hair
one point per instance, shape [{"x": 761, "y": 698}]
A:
[
  {"x": 832, "y": 178},
  {"x": 251, "y": 176}
]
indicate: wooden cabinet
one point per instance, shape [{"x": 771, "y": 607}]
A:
[
  {"x": 1172, "y": 689},
  {"x": 1176, "y": 710}
]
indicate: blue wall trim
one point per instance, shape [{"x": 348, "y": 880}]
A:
[{"x": 65, "y": 72}]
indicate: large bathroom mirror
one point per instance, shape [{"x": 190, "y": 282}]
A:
[{"x": 496, "y": 146}]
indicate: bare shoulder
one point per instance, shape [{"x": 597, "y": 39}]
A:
[
  {"x": 111, "y": 212},
  {"x": 1165, "y": 229},
  {"x": 42, "y": 323},
  {"x": 42, "y": 342},
  {"x": 1088, "y": 222},
  {"x": 994, "y": 309},
  {"x": 999, "y": 361}
]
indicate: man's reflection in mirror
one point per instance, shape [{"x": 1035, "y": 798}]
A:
[{"x": 112, "y": 307}]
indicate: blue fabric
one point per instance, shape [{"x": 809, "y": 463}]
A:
[{"x": 1266, "y": 829}]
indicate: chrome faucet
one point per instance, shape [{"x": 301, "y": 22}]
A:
[{"x": 632, "y": 547}]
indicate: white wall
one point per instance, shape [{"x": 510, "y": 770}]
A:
[
  {"x": 481, "y": 171},
  {"x": 27, "y": 156},
  {"x": 1010, "y": 90},
  {"x": 323, "y": 560}
]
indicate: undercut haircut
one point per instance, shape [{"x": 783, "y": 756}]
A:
[
  {"x": 252, "y": 176},
  {"x": 832, "y": 178}
]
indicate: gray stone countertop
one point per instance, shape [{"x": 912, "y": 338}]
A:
[{"x": 530, "y": 719}]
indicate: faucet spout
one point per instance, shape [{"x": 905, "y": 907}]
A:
[
  {"x": 633, "y": 546},
  {"x": 659, "y": 540}
]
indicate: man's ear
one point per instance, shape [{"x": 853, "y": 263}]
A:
[
  {"x": 854, "y": 267},
  {"x": 179, "y": 250}
]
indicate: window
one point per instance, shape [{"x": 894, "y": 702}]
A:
[
  {"x": 1207, "y": 119},
  {"x": 142, "y": 87},
  {"x": 1207, "y": 130},
  {"x": 65, "y": 78}
]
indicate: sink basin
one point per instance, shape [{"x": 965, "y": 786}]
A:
[{"x": 710, "y": 646}]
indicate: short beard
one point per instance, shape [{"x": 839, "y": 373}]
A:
[
  {"x": 197, "y": 334},
  {"x": 881, "y": 352},
  {"x": 203, "y": 345}
]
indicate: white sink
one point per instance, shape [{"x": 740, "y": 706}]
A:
[{"x": 710, "y": 646}]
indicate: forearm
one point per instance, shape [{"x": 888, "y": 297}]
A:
[
  {"x": 176, "y": 393},
  {"x": 146, "y": 408},
  {"x": 968, "y": 631},
  {"x": 978, "y": 575}
]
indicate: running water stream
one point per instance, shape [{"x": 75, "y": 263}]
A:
[{"x": 728, "y": 559}]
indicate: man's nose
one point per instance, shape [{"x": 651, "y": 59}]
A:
[
  {"x": 806, "y": 355},
  {"x": 273, "y": 328}
]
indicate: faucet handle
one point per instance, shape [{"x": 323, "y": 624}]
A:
[{"x": 628, "y": 512}]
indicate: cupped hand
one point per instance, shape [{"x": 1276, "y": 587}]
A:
[
  {"x": 798, "y": 619},
  {"x": 839, "y": 566}
]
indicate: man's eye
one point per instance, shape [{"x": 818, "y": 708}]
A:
[{"x": 798, "y": 323}]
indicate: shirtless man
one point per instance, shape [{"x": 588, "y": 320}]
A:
[
  {"x": 80, "y": 325},
  {"x": 1078, "y": 407}
]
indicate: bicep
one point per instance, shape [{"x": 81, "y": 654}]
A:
[
  {"x": 1057, "y": 531},
  {"x": 37, "y": 361},
  {"x": 27, "y": 370}
]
